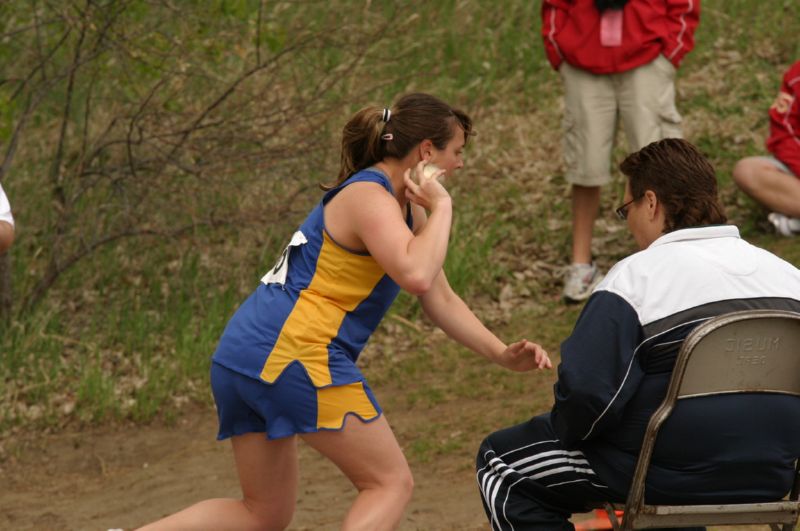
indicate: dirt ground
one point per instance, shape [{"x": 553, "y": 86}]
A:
[
  {"x": 124, "y": 477},
  {"x": 101, "y": 479}
]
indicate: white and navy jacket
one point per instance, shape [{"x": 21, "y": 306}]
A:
[{"x": 617, "y": 362}]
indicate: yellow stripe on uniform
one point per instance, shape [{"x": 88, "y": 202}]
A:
[
  {"x": 341, "y": 281},
  {"x": 333, "y": 403}
]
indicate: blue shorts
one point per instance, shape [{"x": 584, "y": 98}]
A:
[{"x": 288, "y": 406}]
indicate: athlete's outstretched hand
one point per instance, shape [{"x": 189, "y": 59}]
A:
[{"x": 524, "y": 356}]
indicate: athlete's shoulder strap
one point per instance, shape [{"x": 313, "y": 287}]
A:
[{"x": 370, "y": 174}]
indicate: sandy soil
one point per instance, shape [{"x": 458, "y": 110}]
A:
[
  {"x": 101, "y": 479},
  {"x": 120, "y": 478}
]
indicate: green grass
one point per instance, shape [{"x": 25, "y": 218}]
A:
[{"x": 128, "y": 332}]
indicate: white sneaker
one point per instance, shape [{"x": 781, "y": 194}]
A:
[
  {"x": 581, "y": 279},
  {"x": 784, "y": 225}
]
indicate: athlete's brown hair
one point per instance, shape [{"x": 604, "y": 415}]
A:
[{"x": 368, "y": 137}]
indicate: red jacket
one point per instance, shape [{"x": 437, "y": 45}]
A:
[
  {"x": 784, "y": 121},
  {"x": 571, "y": 32}
]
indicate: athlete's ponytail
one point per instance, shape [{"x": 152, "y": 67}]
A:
[
  {"x": 361, "y": 143},
  {"x": 373, "y": 134}
]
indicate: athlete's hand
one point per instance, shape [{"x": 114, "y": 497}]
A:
[
  {"x": 523, "y": 356},
  {"x": 425, "y": 190}
]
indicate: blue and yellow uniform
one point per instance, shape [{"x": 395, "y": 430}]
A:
[{"x": 297, "y": 337}]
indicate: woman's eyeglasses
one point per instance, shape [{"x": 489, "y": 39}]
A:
[{"x": 622, "y": 212}]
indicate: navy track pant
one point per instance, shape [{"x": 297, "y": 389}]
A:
[{"x": 529, "y": 481}]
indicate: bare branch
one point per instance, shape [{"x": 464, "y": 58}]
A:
[
  {"x": 135, "y": 118},
  {"x": 231, "y": 88},
  {"x": 55, "y": 170},
  {"x": 30, "y": 106},
  {"x": 258, "y": 31},
  {"x": 57, "y": 269},
  {"x": 40, "y": 66}
]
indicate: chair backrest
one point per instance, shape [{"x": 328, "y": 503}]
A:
[
  {"x": 739, "y": 352},
  {"x": 750, "y": 351}
]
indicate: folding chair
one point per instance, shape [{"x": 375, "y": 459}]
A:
[{"x": 754, "y": 351}]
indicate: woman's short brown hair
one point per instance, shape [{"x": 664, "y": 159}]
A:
[{"x": 683, "y": 180}]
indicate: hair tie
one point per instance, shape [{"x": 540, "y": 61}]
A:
[
  {"x": 387, "y": 136},
  {"x": 387, "y": 113}
]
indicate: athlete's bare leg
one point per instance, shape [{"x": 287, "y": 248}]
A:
[{"x": 369, "y": 455}]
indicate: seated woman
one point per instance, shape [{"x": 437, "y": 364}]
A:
[{"x": 617, "y": 363}]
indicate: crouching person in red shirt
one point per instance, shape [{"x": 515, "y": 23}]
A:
[{"x": 775, "y": 181}]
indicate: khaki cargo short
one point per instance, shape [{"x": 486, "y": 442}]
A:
[{"x": 644, "y": 98}]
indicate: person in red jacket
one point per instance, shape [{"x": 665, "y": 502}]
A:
[
  {"x": 775, "y": 181},
  {"x": 617, "y": 60}
]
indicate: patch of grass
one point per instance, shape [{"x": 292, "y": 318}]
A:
[
  {"x": 95, "y": 395},
  {"x": 141, "y": 348}
]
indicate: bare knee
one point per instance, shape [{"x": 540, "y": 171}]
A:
[
  {"x": 406, "y": 485},
  {"x": 269, "y": 517},
  {"x": 745, "y": 173},
  {"x": 399, "y": 482}
]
